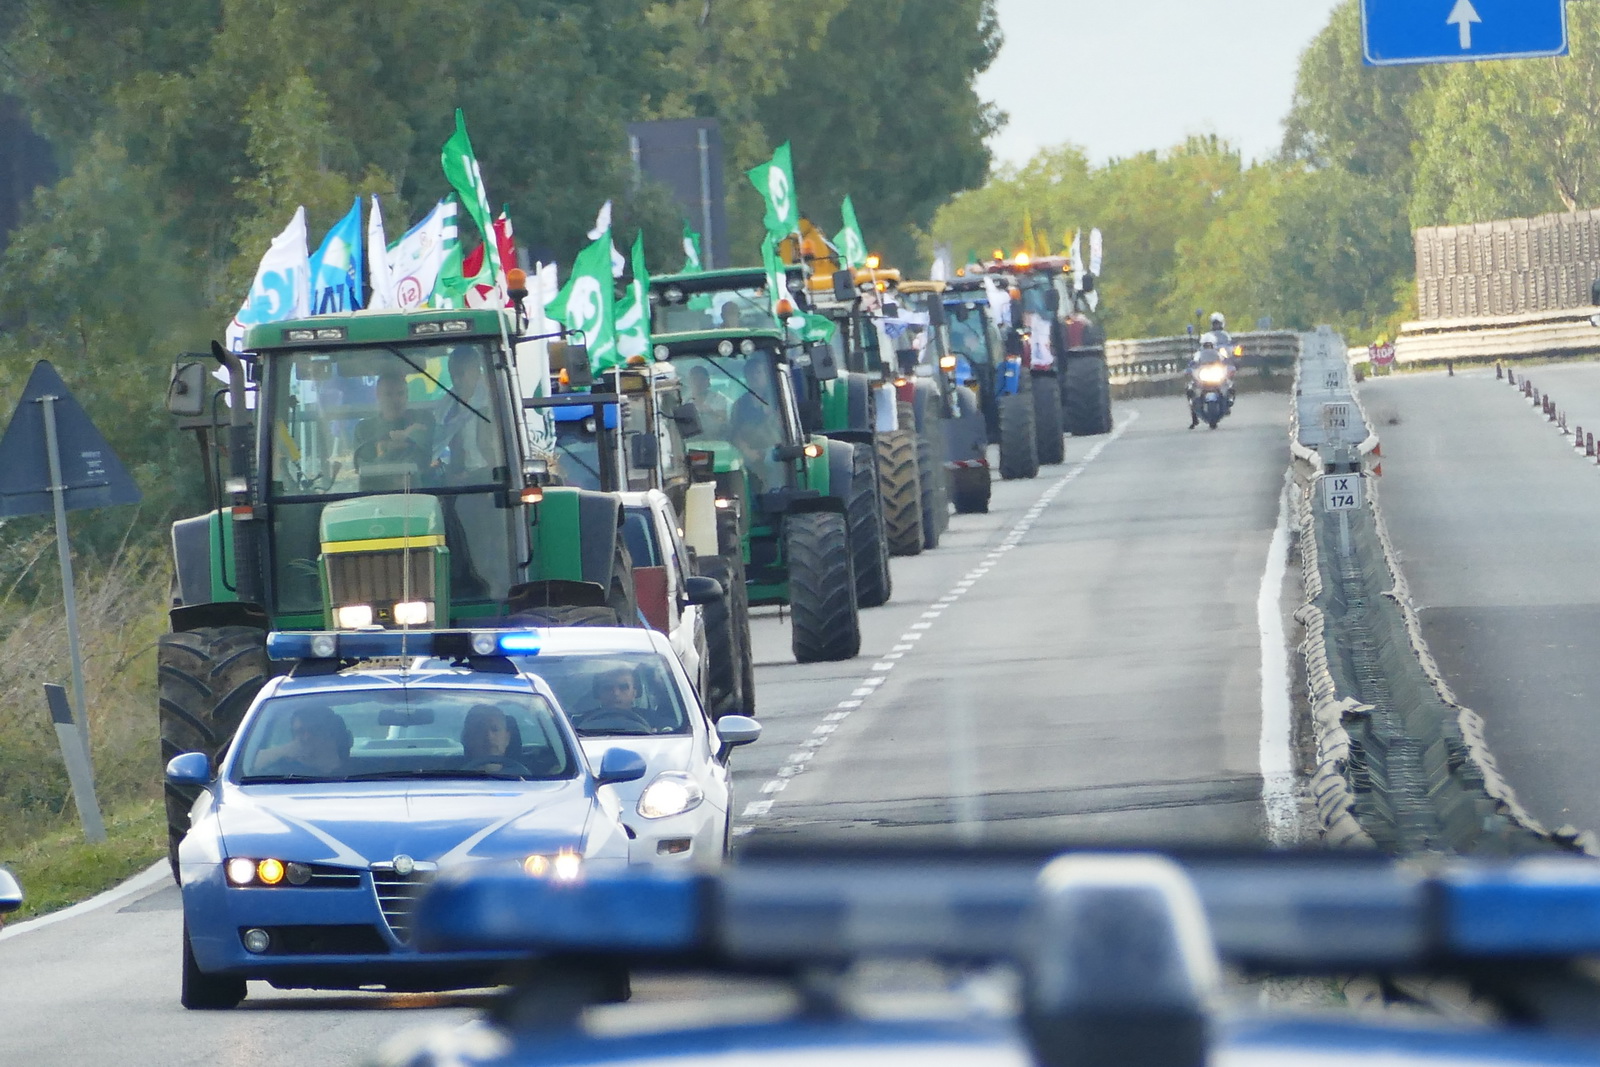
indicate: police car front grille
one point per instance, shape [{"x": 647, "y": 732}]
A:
[
  {"x": 380, "y": 577},
  {"x": 397, "y": 898}
]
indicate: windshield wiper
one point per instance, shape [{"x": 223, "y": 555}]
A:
[
  {"x": 734, "y": 378},
  {"x": 285, "y": 779},
  {"x": 424, "y": 372}
]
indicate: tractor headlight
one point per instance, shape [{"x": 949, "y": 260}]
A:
[
  {"x": 947, "y": 363},
  {"x": 672, "y": 793},
  {"x": 353, "y": 616},
  {"x": 413, "y": 613},
  {"x": 724, "y": 348}
]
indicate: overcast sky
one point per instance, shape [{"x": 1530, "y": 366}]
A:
[{"x": 1123, "y": 76}]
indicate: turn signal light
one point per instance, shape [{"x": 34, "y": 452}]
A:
[
  {"x": 532, "y": 494},
  {"x": 813, "y": 450},
  {"x": 947, "y": 362},
  {"x": 270, "y": 872}
]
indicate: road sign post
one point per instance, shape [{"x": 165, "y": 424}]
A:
[
  {"x": 75, "y": 754},
  {"x": 1395, "y": 32},
  {"x": 1342, "y": 494},
  {"x": 53, "y": 459}
]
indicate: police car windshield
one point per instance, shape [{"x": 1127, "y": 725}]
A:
[
  {"x": 416, "y": 732},
  {"x": 627, "y": 694}
]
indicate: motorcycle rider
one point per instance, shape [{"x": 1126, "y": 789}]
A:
[
  {"x": 1208, "y": 352},
  {"x": 1219, "y": 334}
]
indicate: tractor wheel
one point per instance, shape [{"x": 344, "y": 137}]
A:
[
  {"x": 206, "y": 680},
  {"x": 899, "y": 488},
  {"x": 727, "y": 642},
  {"x": 1019, "y": 451},
  {"x": 822, "y": 589},
  {"x": 930, "y": 471},
  {"x": 1047, "y": 421},
  {"x": 1086, "y": 396},
  {"x": 868, "y": 544},
  {"x": 969, "y": 489}
]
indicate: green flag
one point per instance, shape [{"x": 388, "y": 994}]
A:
[
  {"x": 692, "y": 263},
  {"x": 587, "y": 303},
  {"x": 851, "y": 245},
  {"x": 774, "y": 180},
  {"x": 633, "y": 310},
  {"x": 461, "y": 168}
]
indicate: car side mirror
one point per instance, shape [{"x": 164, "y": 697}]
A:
[
  {"x": 620, "y": 765},
  {"x": 190, "y": 768},
  {"x": 844, "y": 286},
  {"x": 687, "y": 416},
  {"x": 1052, "y": 301},
  {"x": 824, "y": 364},
  {"x": 1594, "y": 320},
  {"x": 698, "y": 589},
  {"x": 736, "y": 730},
  {"x": 936, "y": 316},
  {"x": 644, "y": 451},
  {"x": 186, "y": 392},
  {"x": 10, "y": 892},
  {"x": 1019, "y": 317},
  {"x": 1087, "y": 282}
]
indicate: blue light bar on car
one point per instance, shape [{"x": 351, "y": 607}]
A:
[
  {"x": 388, "y": 644},
  {"x": 625, "y": 913},
  {"x": 1292, "y": 913},
  {"x": 1545, "y": 907}
]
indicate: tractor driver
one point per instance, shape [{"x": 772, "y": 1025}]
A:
[
  {"x": 754, "y": 424},
  {"x": 464, "y": 446},
  {"x": 395, "y": 434}
]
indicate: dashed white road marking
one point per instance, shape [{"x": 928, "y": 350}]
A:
[{"x": 798, "y": 760}]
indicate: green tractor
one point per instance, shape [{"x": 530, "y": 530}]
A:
[
  {"x": 789, "y": 492},
  {"x": 625, "y": 433},
  {"x": 368, "y": 469}
]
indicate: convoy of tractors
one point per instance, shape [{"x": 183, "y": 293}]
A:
[{"x": 448, "y": 468}]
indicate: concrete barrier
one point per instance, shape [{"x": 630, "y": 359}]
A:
[
  {"x": 1401, "y": 765},
  {"x": 1564, "y": 334}
]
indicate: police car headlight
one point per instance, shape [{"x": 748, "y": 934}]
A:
[
  {"x": 353, "y": 616},
  {"x": 241, "y": 871},
  {"x": 564, "y": 866},
  {"x": 672, "y": 793}
]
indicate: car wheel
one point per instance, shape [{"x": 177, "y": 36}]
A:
[{"x": 207, "y": 992}]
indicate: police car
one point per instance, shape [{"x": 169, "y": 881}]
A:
[
  {"x": 387, "y": 757},
  {"x": 1087, "y": 959}
]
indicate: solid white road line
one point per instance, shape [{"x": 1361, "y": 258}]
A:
[
  {"x": 1277, "y": 766},
  {"x": 137, "y": 884}
]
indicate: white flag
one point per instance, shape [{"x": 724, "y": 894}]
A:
[
  {"x": 1096, "y": 251},
  {"x": 378, "y": 276},
  {"x": 602, "y": 223},
  {"x": 940, "y": 271},
  {"x": 415, "y": 260},
  {"x": 282, "y": 287},
  {"x": 999, "y": 302},
  {"x": 1077, "y": 258}
]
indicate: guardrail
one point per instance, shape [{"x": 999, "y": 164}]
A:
[
  {"x": 1401, "y": 765},
  {"x": 1166, "y": 358},
  {"x": 1539, "y": 335}
]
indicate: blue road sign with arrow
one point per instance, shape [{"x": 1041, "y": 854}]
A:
[{"x": 1454, "y": 31}]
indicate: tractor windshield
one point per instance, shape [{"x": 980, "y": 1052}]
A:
[
  {"x": 737, "y": 401},
  {"x": 381, "y": 420},
  {"x": 745, "y": 308},
  {"x": 969, "y": 335}
]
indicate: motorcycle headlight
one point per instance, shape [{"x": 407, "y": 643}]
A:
[
  {"x": 1213, "y": 375},
  {"x": 672, "y": 793}
]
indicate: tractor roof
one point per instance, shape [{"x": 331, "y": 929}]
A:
[{"x": 375, "y": 327}]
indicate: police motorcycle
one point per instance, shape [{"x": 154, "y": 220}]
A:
[
  {"x": 989, "y": 956},
  {"x": 1210, "y": 391}
]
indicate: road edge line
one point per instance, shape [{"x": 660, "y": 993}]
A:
[
  {"x": 1278, "y": 800},
  {"x": 137, "y": 884}
]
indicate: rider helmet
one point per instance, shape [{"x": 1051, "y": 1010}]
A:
[{"x": 1218, "y": 322}]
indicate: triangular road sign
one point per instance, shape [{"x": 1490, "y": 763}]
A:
[{"x": 92, "y": 474}]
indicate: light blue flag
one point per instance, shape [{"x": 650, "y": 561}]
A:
[{"x": 336, "y": 267}]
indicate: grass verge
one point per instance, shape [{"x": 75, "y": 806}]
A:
[{"x": 61, "y": 868}]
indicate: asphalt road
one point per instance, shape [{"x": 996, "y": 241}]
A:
[
  {"x": 1497, "y": 520},
  {"x": 1083, "y": 662}
]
